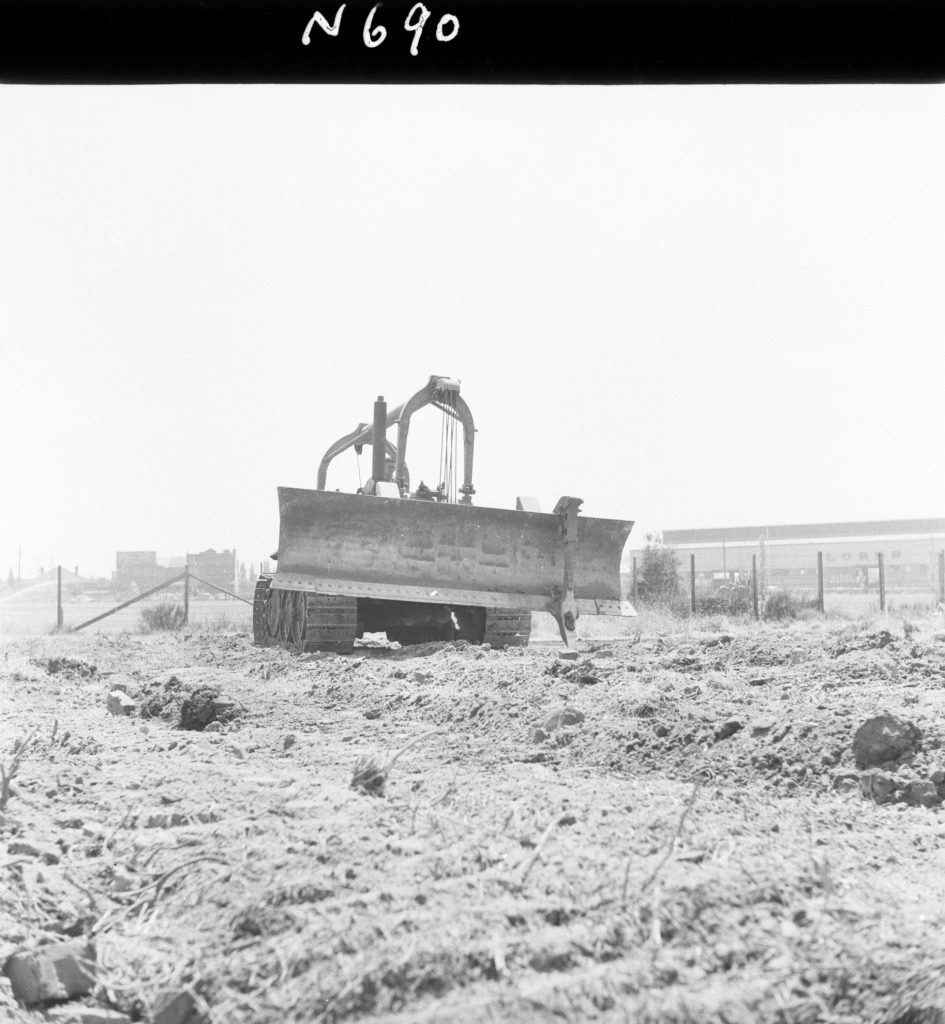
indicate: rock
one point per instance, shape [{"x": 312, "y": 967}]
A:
[
  {"x": 568, "y": 654},
  {"x": 174, "y": 1008},
  {"x": 58, "y": 971},
  {"x": 539, "y": 736},
  {"x": 46, "y": 852},
  {"x": 763, "y": 726},
  {"x": 119, "y": 703},
  {"x": 566, "y": 716},
  {"x": 878, "y": 786},
  {"x": 289, "y": 741},
  {"x": 728, "y": 729},
  {"x": 884, "y": 738},
  {"x": 213, "y": 727},
  {"x": 921, "y": 793},
  {"x": 846, "y": 781}
]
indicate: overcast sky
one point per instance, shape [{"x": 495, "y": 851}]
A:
[{"x": 692, "y": 307}]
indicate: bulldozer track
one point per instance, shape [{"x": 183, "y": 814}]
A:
[
  {"x": 331, "y": 623},
  {"x": 308, "y": 622},
  {"x": 507, "y": 627},
  {"x": 260, "y": 602},
  {"x": 301, "y": 621}
]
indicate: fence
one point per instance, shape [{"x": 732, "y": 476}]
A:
[
  {"x": 55, "y": 603},
  {"x": 871, "y": 591}
]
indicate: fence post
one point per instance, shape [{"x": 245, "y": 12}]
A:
[
  {"x": 692, "y": 582},
  {"x": 941, "y": 576},
  {"x": 187, "y": 593},
  {"x": 633, "y": 582},
  {"x": 820, "y": 582},
  {"x": 59, "y": 597},
  {"x": 882, "y": 582},
  {"x": 754, "y": 584}
]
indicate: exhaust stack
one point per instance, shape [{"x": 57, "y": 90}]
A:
[{"x": 379, "y": 442}]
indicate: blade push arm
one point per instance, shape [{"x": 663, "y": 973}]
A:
[{"x": 435, "y": 393}]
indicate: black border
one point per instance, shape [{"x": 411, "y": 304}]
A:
[{"x": 500, "y": 41}]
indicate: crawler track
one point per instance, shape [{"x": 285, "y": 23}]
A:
[
  {"x": 301, "y": 621},
  {"x": 308, "y": 622}
]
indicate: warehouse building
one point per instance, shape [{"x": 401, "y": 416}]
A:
[{"x": 786, "y": 556}]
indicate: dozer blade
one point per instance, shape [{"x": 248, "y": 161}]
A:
[{"x": 408, "y": 550}]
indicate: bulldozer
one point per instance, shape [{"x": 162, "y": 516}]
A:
[{"x": 427, "y": 564}]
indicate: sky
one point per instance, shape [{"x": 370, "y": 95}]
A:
[{"x": 690, "y": 306}]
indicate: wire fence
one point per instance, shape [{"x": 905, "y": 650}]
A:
[
  {"x": 62, "y": 602},
  {"x": 869, "y": 590}
]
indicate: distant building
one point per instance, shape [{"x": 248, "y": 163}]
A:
[
  {"x": 786, "y": 556},
  {"x": 141, "y": 570},
  {"x": 138, "y": 569},
  {"x": 216, "y": 567}
]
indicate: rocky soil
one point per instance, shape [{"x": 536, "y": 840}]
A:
[{"x": 683, "y": 826}]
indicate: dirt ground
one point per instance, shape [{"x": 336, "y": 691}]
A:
[{"x": 670, "y": 828}]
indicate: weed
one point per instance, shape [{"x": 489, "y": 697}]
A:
[
  {"x": 370, "y": 776},
  {"x": 7, "y": 774},
  {"x": 167, "y": 615}
]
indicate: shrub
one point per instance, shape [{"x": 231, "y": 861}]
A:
[
  {"x": 168, "y": 615},
  {"x": 736, "y": 601},
  {"x": 781, "y": 605},
  {"x": 658, "y": 576}
]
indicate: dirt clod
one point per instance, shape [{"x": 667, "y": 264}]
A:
[
  {"x": 883, "y": 739},
  {"x": 878, "y": 786},
  {"x": 57, "y": 971},
  {"x": 119, "y": 703},
  {"x": 565, "y": 716},
  {"x": 205, "y": 705},
  {"x": 920, "y": 793},
  {"x": 175, "y": 1008},
  {"x": 728, "y": 729},
  {"x": 70, "y": 666},
  {"x": 49, "y": 853}
]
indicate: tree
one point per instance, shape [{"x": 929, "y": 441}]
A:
[{"x": 659, "y": 571}]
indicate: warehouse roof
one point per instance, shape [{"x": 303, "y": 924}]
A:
[{"x": 807, "y": 531}]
